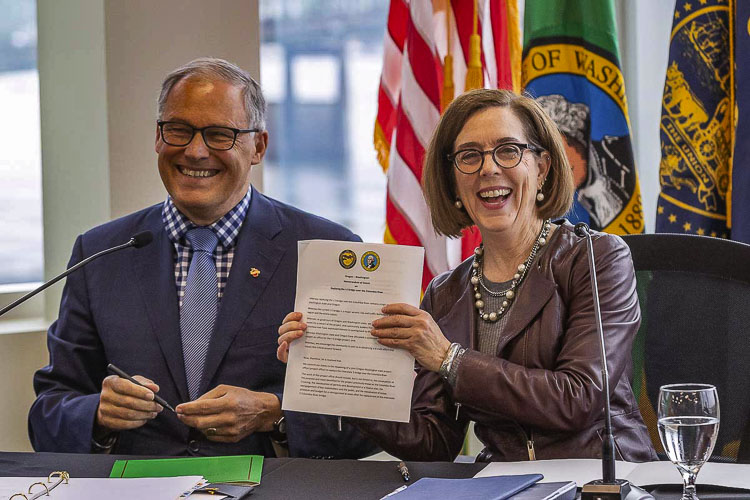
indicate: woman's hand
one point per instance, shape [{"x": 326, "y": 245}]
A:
[
  {"x": 291, "y": 329},
  {"x": 410, "y": 328}
]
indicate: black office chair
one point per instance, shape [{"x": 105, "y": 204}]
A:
[{"x": 694, "y": 293}]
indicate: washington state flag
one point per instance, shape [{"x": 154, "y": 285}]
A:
[{"x": 571, "y": 66}]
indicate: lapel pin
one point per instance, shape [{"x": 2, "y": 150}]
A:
[{"x": 254, "y": 272}]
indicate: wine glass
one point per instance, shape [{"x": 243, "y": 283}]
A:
[{"x": 688, "y": 426}]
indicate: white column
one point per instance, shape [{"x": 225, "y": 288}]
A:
[{"x": 75, "y": 152}]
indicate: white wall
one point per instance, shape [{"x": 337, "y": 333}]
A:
[
  {"x": 644, "y": 27},
  {"x": 20, "y": 355},
  {"x": 146, "y": 39},
  {"x": 100, "y": 66}
]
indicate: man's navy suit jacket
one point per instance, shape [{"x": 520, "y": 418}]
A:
[{"x": 123, "y": 309}]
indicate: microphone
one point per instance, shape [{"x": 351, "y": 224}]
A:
[
  {"x": 608, "y": 487},
  {"x": 582, "y": 229},
  {"x": 138, "y": 240}
]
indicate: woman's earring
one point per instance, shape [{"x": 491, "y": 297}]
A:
[
  {"x": 458, "y": 204},
  {"x": 539, "y": 194}
]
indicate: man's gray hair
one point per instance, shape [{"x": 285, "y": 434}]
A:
[
  {"x": 211, "y": 68},
  {"x": 572, "y": 118}
]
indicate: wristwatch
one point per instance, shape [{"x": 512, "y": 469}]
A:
[
  {"x": 278, "y": 434},
  {"x": 105, "y": 446}
]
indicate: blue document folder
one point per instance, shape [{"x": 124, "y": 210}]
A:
[
  {"x": 491, "y": 488},
  {"x": 548, "y": 491}
]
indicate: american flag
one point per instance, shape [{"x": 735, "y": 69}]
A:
[{"x": 413, "y": 92}]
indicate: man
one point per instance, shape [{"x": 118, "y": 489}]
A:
[{"x": 194, "y": 315}]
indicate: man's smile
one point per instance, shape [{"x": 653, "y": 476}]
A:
[{"x": 196, "y": 173}]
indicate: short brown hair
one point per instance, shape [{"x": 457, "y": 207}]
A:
[
  {"x": 212, "y": 68},
  {"x": 438, "y": 179}
]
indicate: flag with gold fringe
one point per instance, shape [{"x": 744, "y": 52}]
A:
[
  {"x": 571, "y": 65},
  {"x": 697, "y": 122},
  {"x": 433, "y": 51}
]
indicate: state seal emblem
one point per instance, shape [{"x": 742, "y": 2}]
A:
[
  {"x": 370, "y": 261},
  {"x": 347, "y": 259}
]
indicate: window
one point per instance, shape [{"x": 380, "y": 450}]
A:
[
  {"x": 20, "y": 161},
  {"x": 320, "y": 70}
]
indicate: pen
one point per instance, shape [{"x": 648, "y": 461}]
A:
[
  {"x": 157, "y": 398},
  {"x": 403, "y": 470},
  {"x": 397, "y": 490}
]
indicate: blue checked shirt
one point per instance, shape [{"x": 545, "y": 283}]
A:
[{"x": 227, "y": 228}]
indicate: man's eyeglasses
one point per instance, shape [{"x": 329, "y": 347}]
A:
[
  {"x": 507, "y": 155},
  {"x": 218, "y": 138}
]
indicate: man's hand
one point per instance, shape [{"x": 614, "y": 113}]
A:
[
  {"x": 124, "y": 405},
  {"x": 228, "y": 414}
]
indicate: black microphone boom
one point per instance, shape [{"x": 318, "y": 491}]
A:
[
  {"x": 608, "y": 487},
  {"x": 139, "y": 240}
]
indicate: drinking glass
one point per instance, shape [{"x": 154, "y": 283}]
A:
[{"x": 688, "y": 426}]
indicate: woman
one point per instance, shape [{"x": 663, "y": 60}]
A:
[{"x": 508, "y": 338}]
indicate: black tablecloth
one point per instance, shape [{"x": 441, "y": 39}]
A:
[
  {"x": 282, "y": 477},
  {"x": 304, "y": 478}
]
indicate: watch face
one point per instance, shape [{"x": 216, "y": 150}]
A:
[
  {"x": 278, "y": 434},
  {"x": 280, "y": 425}
]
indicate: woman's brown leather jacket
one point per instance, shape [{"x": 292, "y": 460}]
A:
[{"x": 540, "y": 396}]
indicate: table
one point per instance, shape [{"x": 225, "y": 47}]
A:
[
  {"x": 304, "y": 478},
  {"x": 282, "y": 477}
]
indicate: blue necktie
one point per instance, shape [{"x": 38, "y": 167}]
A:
[{"x": 199, "y": 306}]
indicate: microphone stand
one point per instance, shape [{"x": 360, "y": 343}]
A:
[
  {"x": 137, "y": 241},
  {"x": 608, "y": 487}
]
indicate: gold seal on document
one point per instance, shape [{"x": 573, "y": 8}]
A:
[
  {"x": 370, "y": 261},
  {"x": 347, "y": 259}
]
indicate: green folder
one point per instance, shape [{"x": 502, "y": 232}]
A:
[{"x": 238, "y": 469}]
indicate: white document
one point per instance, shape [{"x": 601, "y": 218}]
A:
[
  {"x": 337, "y": 367},
  {"x": 583, "y": 471},
  {"x": 151, "y": 488},
  {"x": 580, "y": 470},
  {"x": 712, "y": 473}
]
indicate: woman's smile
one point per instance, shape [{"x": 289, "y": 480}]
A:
[{"x": 494, "y": 197}]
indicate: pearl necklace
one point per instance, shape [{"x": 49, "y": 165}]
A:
[{"x": 510, "y": 293}]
